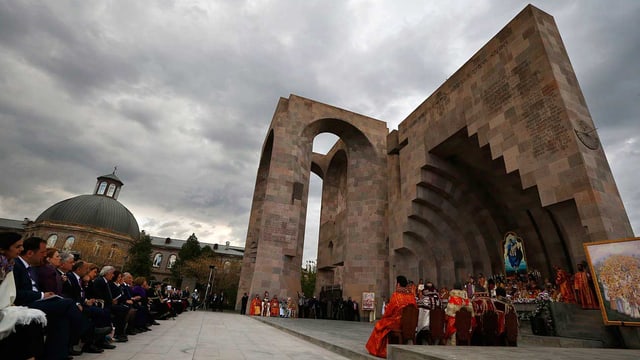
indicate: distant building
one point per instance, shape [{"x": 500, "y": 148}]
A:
[
  {"x": 165, "y": 254},
  {"x": 99, "y": 229}
]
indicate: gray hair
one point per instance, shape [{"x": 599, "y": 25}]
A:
[
  {"x": 107, "y": 269},
  {"x": 65, "y": 256}
]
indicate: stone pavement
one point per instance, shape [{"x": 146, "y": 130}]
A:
[
  {"x": 347, "y": 338},
  {"x": 214, "y": 335}
]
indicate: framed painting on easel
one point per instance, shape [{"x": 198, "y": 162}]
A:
[{"x": 615, "y": 268}]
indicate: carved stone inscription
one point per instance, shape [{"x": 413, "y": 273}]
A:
[
  {"x": 496, "y": 95},
  {"x": 542, "y": 116}
]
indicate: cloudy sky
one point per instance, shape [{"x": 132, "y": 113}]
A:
[{"x": 179, "y": 94}]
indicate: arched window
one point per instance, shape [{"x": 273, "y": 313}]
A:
[
  {"x": 226, "y": 267},
  {"x": 112, "y": 189},
  {"x": 51, "y": 241},
  {"x": 102, "y": 188},
  {"x": 112, "y": 251},
  {"x": 172, "y": 261},
  {"x": 68, "y": 244},
  {"x": 157, "y": 260},
  {"x": 97, "y": 247}
]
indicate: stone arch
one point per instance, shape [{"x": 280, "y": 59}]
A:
[
  {"x": 355, "y": 168},
  {"x": 496, "y": 148},
  {"x": 259, "y": 195},
  {"x": 332, "y": 232}
]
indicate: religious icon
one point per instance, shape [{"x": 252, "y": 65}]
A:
[
  {"x": 615, "y": 268},
  {"x": 368, "y": 301},
  {"x": 514, "y": 256}
]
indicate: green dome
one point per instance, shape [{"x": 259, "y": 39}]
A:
[{"x": 95, "y": 211}]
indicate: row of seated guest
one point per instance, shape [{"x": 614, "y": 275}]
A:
[
  {"x": 21, "y": 328},
  {"x": 81, "y": 307},
  {"x": 65, "y": 324}
]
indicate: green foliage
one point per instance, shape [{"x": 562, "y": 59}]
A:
[
  {"x": 139, "y": 258},
  {"x": 190, "y": 250},
  {"x": 207, "y": 251},
  {"x": 224, "y": 279},
  {"x": 308, "y": 280}
]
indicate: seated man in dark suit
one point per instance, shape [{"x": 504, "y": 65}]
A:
[
  {"x": 141, "y": 317},
  {"x": 102, "y": 290},
  {"x": 97, "y": 318},
  {"x": 124, "y": 303},
  {"x": 64, "y": 319}
]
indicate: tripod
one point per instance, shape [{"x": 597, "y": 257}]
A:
[{"x": 205, "y": 300}]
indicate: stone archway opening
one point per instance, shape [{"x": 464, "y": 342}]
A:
[
  {"x": 322, "y": 144},
  {"x": 353, "y": 194}
]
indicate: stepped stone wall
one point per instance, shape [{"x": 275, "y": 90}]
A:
[{"x": 505, "y": 144}]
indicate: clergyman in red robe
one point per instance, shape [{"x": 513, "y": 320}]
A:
[
  {"x": 585, "y": 296},
  {"x": 256, "y": 306},
  {"x": 563, "y": 281},
  {"x": 274, "y": 307},
  {"x": 377, "y": 344}
]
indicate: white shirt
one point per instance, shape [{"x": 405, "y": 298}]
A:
[{"x": 34, "y": 287}]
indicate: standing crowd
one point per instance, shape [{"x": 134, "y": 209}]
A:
[{"x": 302, "y": 307}]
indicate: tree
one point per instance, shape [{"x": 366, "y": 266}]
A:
[
  {"x": 139, "y": 261},
  {"x": 308, "y": 278},
  {"x": 225, "y": 278},
  {"x": 207, "y": 251},
  {"x": 190, "y": 250}
]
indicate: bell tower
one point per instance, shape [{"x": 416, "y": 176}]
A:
[{"x": 108, "y": 185}]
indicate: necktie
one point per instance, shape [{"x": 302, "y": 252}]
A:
[
  {"x": 33, "y": 276},
  {"x": 79, "y": 282}
]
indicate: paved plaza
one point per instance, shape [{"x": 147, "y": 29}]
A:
[
  {"x": 215, "y": 335},
  {"x": 211, "y": 336}
]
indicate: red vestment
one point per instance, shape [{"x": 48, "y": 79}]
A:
[
  {"x": 564, "y": 285},
  {"x": 274, "y": 307},
  {"x": 502, "y": 307},
  {"x": 585, "y": 295},
  {"x": 256, "y": 306},
  {"x": 377, "y": 344},
  {"x": 457, "y": 300}
]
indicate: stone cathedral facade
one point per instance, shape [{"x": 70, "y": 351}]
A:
[{"x": 505, "y": 144}]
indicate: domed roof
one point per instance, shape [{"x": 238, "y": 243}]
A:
[{"x": 93, "y": 210}]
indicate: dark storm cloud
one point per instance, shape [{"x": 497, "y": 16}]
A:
[
  {"x": 179, "y": 95},
  {"x": 69, "y": 48}
]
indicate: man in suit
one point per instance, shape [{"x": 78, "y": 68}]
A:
[
  {"x": 102, "y": 290},
  {"x": 98, "y": 321},
  {"x": 63, "y": 316},
  {"x": 142, "y": 316}
]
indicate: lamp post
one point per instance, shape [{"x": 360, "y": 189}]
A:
[{"x": 209, "y": 285}]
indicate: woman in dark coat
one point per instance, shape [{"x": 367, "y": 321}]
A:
[{"x": 49, "y": 279}]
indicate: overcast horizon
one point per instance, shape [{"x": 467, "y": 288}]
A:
[{"x": 179, "y": 95}]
